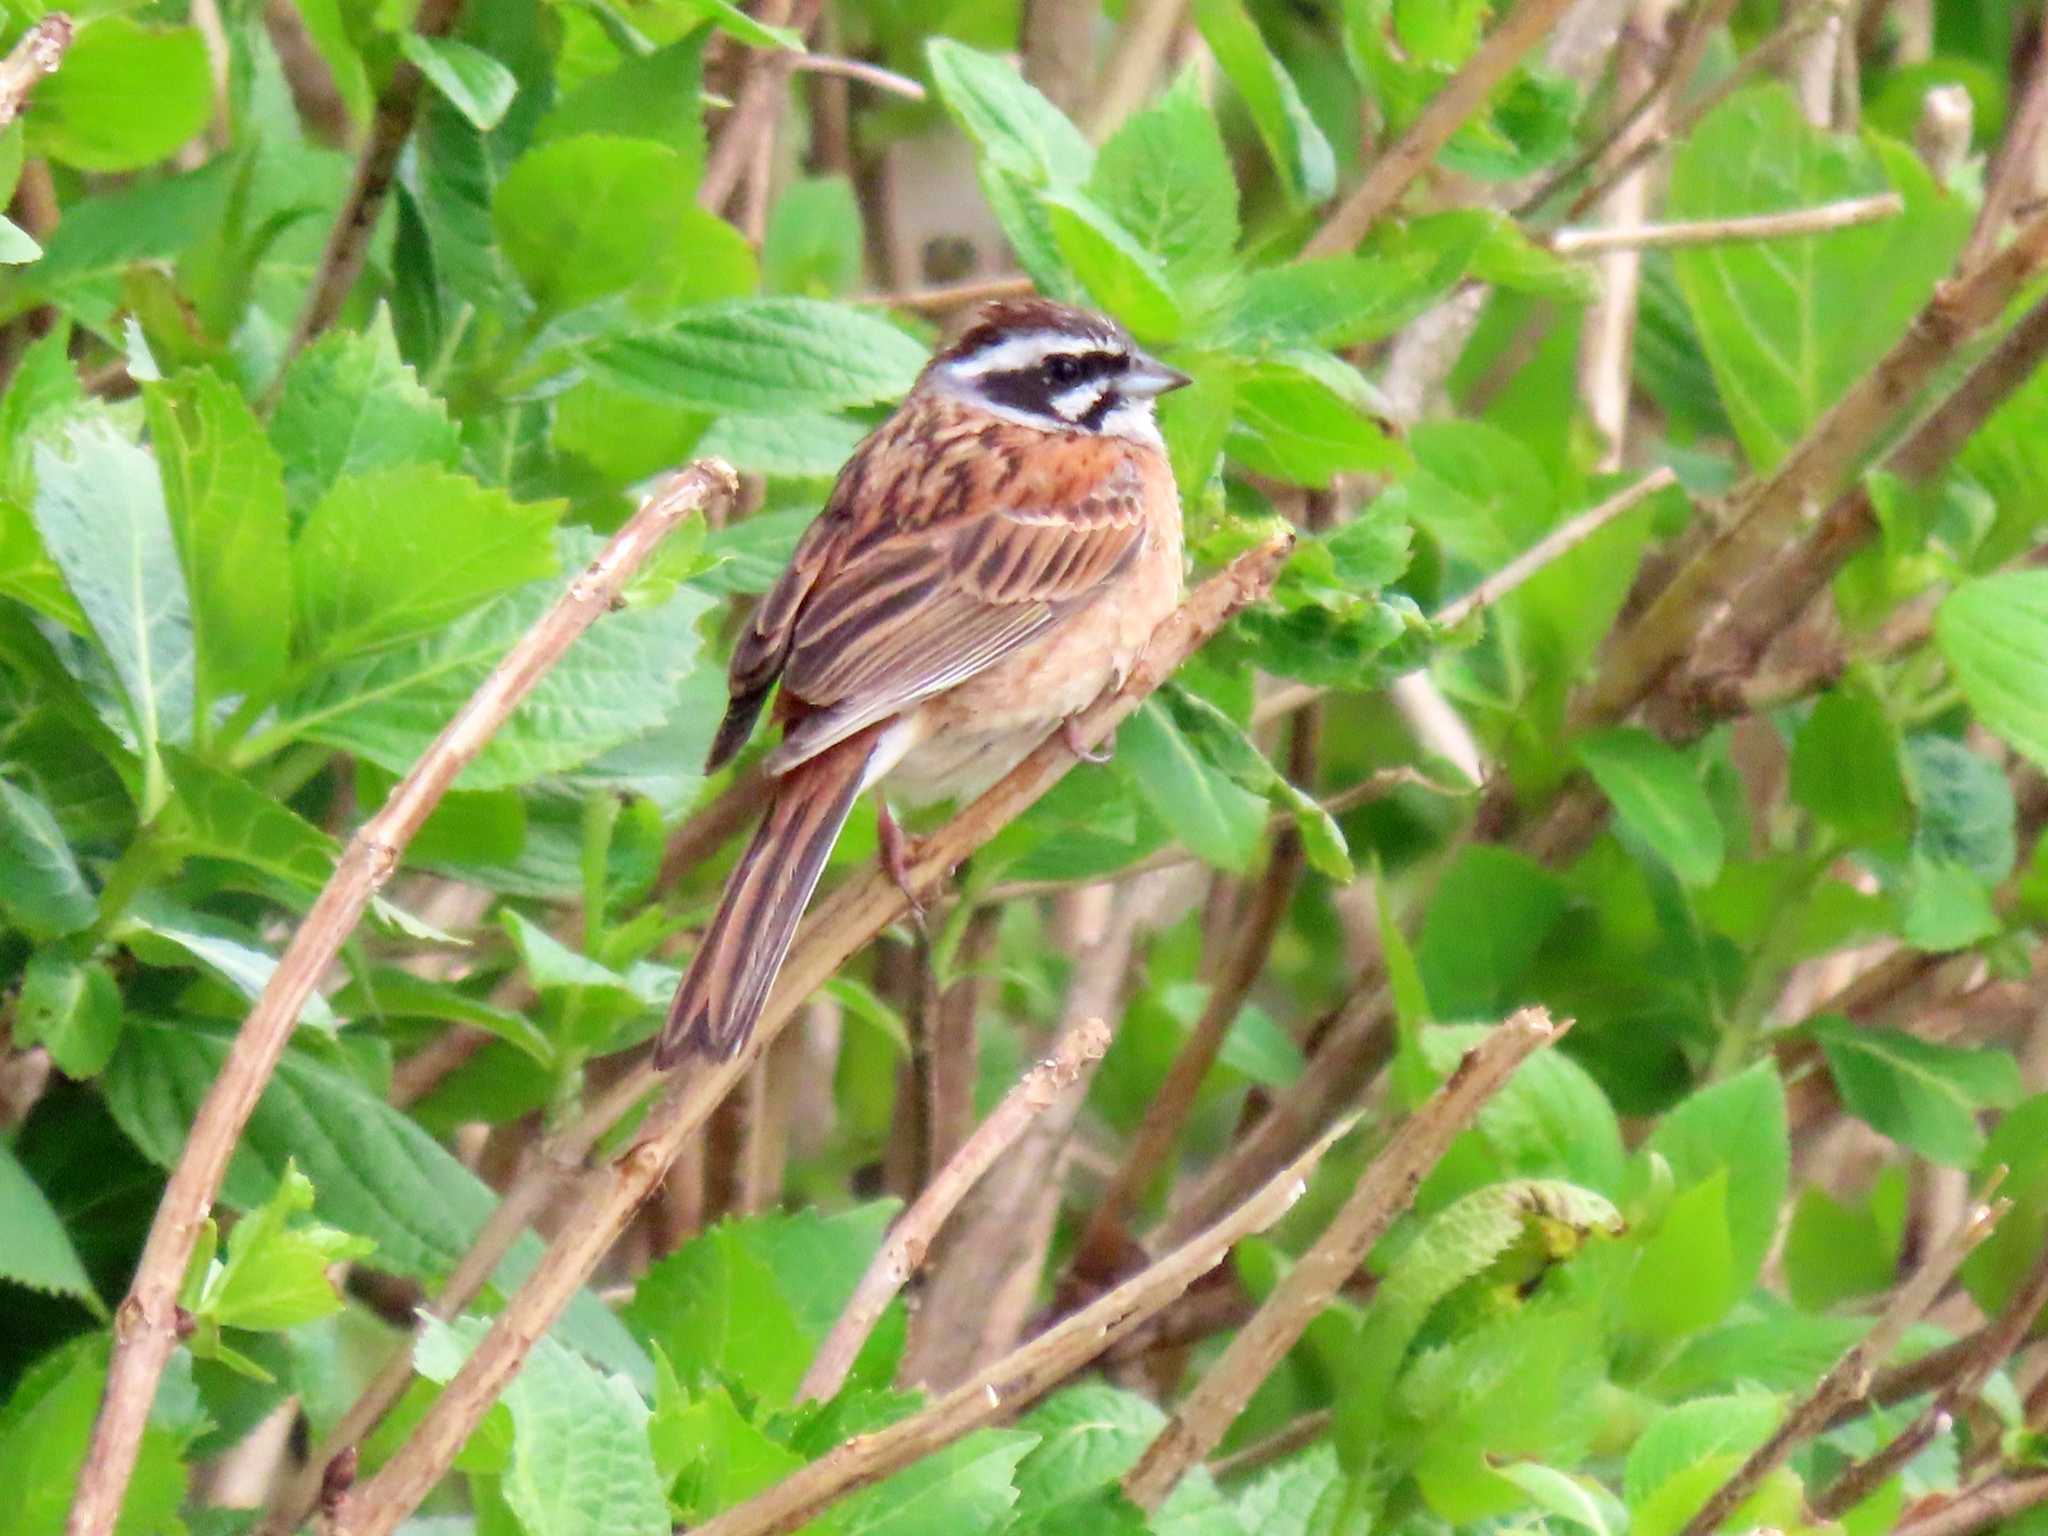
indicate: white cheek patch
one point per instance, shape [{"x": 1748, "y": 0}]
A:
[
  {"x": 1075, "y": 404},
  {"x": 1133, "y": 421}
]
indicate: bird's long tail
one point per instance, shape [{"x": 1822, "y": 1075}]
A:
[{"x": 727, "y": 985}]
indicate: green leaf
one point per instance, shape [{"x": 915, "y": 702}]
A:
[
  {"x": 1339, "y": 301},
  {"x": 100, "y": 510},
  {"x": 224, "y": 492},
  {"x": 1208, "y": 813},
  {"x": 1684, "y": 1280},
  {"x": 1088, "y": 1437},
  {"x": 1305, "y": 425},
  {"x": 654, "y": 96},
  {"x": 617, "y": 682},
  {"x": 1491, "y": 914},
  {"x": 1307, "y": 165},
  {"x": 38, "y": 1252},
  {"x": 1967, "y": 816},
  {"x": 750, "y": 1301},
  {"x": 1993, "y": 632},
  {"x": 1924, "y": 1095},
  {"x": 219, "y": 816},
  {"x": 41, "y": 888},
  {"x": 725, "y": 1458},
  {"x": 1659, "y": 798},
  {"x": 581, "y": 1462},
  {"x": 127, "y": 96},
  {"x": 1550, "y": 1120},
  {"x": 1846, "y": 768},
  {"x": 729, "y": 18},
  {"x": 813, "y": 247},
  {"x": 349, "y": 406},
  {"x": 376, "y": 1172},
  {"x": 808, "y": 443},
  {"x": 1226, "y": 745},
  {"x": 387, "y": 992},
  {"x": 1948, "y": 906},
  {"x": 1836, "y": 1252},
  {"x": 1579, "y": 1499},
  {"x": 221, "y": 947},
  {"x": 1788, "y": 324},
  {"x": 766, "y": 355},
  {"x": 1016, "y": 128},
  {"x": 586, "y": 217},
  {"x": 275, "y": 1273},
  {"x": 72, "y": 1008},
  {"x": 1120, "y": 274},
  {"x": 965, "y": 1487},
  {"x": 45, "y": 1430},
  {"x": 1164, "y": 177},
  {"x": 1679, "y": 1441},
  {"x": 476, "y": 85},
  {"x": 1737, "y": 1124},
  {"x": 1296, "y": 1498},
  {"x": 391, "y": 556}
]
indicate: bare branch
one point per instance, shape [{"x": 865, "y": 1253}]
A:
[
  {"x": 2010, "y": 175},
  {"x": 758, "y": 102},
  {"x": 1990, "y": 1502},
  {"x": 837, "y": 927},
  {"x": 856, "y": 69},
  {"x": 1141, "y": 46},
  {"x": 1846, "y": 214},
  {"x": 1284, "y": 1441},
  {"x": 145, "y": 1329},
  {"x": 1849, "y": 1377},
  {"x": 348, "y": 242},
  {"x": 1987, "y": 1349},
  {"x": 944, "y": 300},
  {"x": 911, "y": 1235},
  {"x": 1020, "y": 1377},
  {"x": 35, "y": 54},
  {"x": 1408, "y": 158},
  {"x": 1384, "y": 1191}
]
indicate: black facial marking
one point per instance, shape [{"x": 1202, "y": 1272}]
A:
[{"x": 1033, "y": 390}]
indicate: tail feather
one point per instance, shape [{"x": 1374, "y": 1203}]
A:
[{"x": 727, "y": 985}]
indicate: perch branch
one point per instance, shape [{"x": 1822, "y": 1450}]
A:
[
  {"x": 1411, "y": 155},
  {"x": 1020, "y": 1377},
  {"x": 2010, "y": 175},
  {"x": 1388, "y": 1184},
  {"x": 1846, "y": 214},
  {"x": 145, "y": 1328},
  {"x": 844, "y": 921},
  {"x": 1849, "y": 1378},
  {"x": 35, "y": 54},
  {"x": 1986, "y": 1504},
  {"x": 348, "y": 242},
  {"x": 911, "y": 1236},
  {"x": 855, "y": 69}
]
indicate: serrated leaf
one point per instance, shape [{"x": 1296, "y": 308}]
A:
[
  {"x": 1120, "y": 274},
  {"x": 1165, "y": 178},
  {"x": 72, "y": 1008},
  {"x": 1993, "y": 632},
  {"x": 1788, "y": 324},
  {"x": 1659, "y": 798},
  {"x": 756, "y": 355},
  {"x": 38, "y": 1252},
  {"x": 1226, "y": 745},
  {"x": 1296, "y": 1498},
  {"x": 475, "y": 84},
  {"x": 1578, "y": 1499},
  {"x": 224, "y": 493},
  {"x": 1016, "y": 128},
  {"x": 386, "y": 991},
  {"x": 376, "y": 1172},
  {"x": 965, "y": 1487},
  {"x": 1303, "y": 157},
  {"x": 581, "y": 1463},
  {"x": 42, "y": 890},
  {"x": 618, "y": 682},
  {"x": 45, "y": 1431},
  {"x": 1738, "y": 1124},
  {"x": 390, "y": 556},
  {"x": 783, "y": 443},
  {"x": 274, "y": 1275},
  {"x": 349, "y": 406},
  {"x": 1682, "y": 1438},
  {"x": 221, "y": 948},
  {"x": 1923, "y": 1095},
  {"x": 220, "y": 816},
  {"x": 100, "y": 510},
  {"x": 1295, "y": 425}
]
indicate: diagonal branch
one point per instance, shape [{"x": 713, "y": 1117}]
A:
[
  {"x": 844, "y": 921},
  {"x": 911, "y": 1235},
  {"x": 1790, "y": 224},
  {"x": 145, "y": 1327},
  {"x": 36, "y": 53},
  {"x": 1411, "y": 155},
  {"x": 1383, "y": 1192}
]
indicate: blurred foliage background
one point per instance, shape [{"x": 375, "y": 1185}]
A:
[{"x": 334, "y": 336}]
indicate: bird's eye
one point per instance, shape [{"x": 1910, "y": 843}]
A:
[{"x": 1063, "y": 368}]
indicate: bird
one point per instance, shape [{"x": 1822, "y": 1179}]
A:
[{"x": 990, "y": 559}]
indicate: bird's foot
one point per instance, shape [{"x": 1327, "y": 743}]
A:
[
  {"x": 895, "y": 853},
  {"x": 1070, "y": 733}
]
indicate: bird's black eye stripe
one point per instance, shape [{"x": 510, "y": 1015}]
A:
[{"x": 1073, "y": 367}]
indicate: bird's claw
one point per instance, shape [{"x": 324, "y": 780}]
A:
[
  {"x": 895, "y": 851},
  {"x": 1070, "y": 733}
]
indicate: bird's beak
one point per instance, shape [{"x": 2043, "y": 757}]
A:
[{"x": 1149, "y": 377}]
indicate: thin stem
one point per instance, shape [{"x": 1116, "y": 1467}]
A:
[
  {"x": 1846, "y": 214},
  {"x": 855, "y": 69},
  {"x": 145, "y": 1330},
  {"x": 1411, "y": 155},
  {"x": 35, "y": 54},
  {"x": 911, "y": 1236},
  {"x": 2012, "y": 168}
]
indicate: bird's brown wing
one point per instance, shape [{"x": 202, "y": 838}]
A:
[{"x": 979, "y": 553}]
